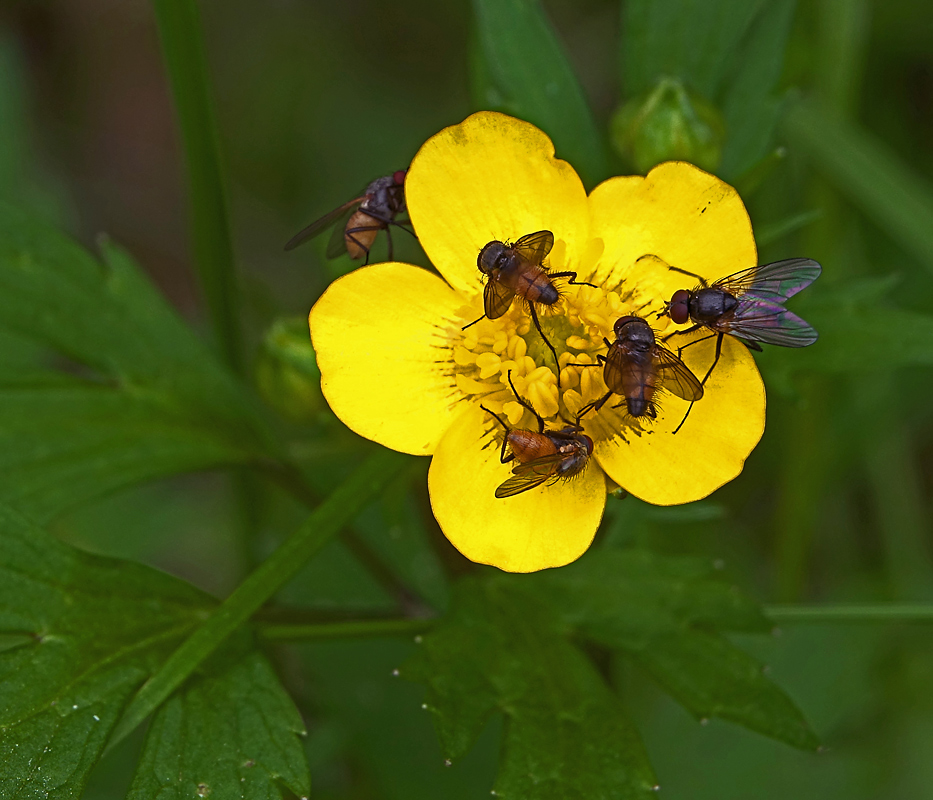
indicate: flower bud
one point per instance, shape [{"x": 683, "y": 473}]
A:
[
  {"x": 671, "y": 123},
  {"x": 286, "y": 371}
]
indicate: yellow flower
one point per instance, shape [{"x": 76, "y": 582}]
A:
[{"x": 397, "y": 367}]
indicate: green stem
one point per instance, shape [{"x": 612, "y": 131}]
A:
[
  {"x": 183, "y": 49},
  {"x": 324, "y": 631},
  {"x": 862, "y": 612},
  {"x": 292, "y": 480},
  {"x": 341, "y": 506}
]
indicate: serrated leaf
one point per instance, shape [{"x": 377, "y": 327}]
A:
[
  {"x": 86, "y": 632},
  {"x": 135, "y": 396},
  {"x": 231, "y": 732},
  {"x": 634, "y": 595},
  {"x": 668, "y": 614},
  {"x": 711, "y": 677},
  {"x": 566, "y": 734},
  {"x": 520, "y": 68}
]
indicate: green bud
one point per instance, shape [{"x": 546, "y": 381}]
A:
[
  {"x": 671, "y": 123},
  {"x": 286, "y": 371}
]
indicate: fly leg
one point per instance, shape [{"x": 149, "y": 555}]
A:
[
  {"x": 403, "y": 224},
  {"x": 525, "y": 403},
  {"x": 572, "y": 278},
  {"x": 503, "y": 458},
  {"x": 349, "y": 235},
  {"x": 719, "y": 338},
  {"x": 534, "y": 318},
  {"x": 681, "y": 333},
  {"x": 473, "y": 323},
  {"x": 702, "y": 281},
  {"x": 596, "y": 404}
]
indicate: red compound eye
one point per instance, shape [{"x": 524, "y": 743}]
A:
[
  {"x": 621, "y": 322},
  {"x": 680, "y": 309},
  {"x": 399, "y": 177}
]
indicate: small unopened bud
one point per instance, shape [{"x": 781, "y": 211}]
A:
[
  {"x": 286, "y": 371},
  {"x": 671, "y": 123}
]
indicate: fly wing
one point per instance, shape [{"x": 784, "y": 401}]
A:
[
  {"x": 528, "y": 476},
  {"x": 497, "y": 298},
  {"x": 337, "y": 244},
  {"x": 676, "y": 376},
  {"x": 322, "y": 224},
  {"x": 767, "y": 322},
  {"x": 614, "y": 371},
  {"x": 535, "y": 246},
  {"x": 774, "y": 282}
]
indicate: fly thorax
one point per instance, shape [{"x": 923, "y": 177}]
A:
[{"x": 710, "y": 304}]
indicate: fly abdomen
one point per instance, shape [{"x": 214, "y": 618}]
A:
[
  {"x": 640, "y": 385},
  {"x": 360, "y": 233},
  {"x": 535, "y": 286},
  {"x": 528, "y": 445}
]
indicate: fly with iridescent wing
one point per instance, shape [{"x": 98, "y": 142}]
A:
[{"x": 748, "y": 305}]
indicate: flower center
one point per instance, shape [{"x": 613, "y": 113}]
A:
[{"x": 576, "y": 326}]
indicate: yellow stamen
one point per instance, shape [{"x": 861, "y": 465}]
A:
[{"x": 577, "y": 325}]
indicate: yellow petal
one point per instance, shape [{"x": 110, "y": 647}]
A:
[
  {"x": 493, "y": 177},
  {"x": 677, "y": 216},
  {"x": 380, "y": 335},
  {"x": 548, "y": 526},
  {"x": 710, "y": 449}
]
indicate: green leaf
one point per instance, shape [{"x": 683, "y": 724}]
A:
[
  {"x": 749, "y": 105},
  {"x": 231, "y": 732},
  {"x": 711, "y": 677},
  {"x": 771, "y": 232},
  {"x": 86, "y": 632},
  {"x": 566, "y": 734},
  {"x": 182, "y": 46},
  {"x": 730, "y": 51},
  {"x": 668, "y": 614},
  {"x": 869, "y": 174},
  {"x": 343, "y": 504},
  {"x": 862, "y": 339},
  {"x": 691, "y": 39},
  {"x": 135, "y": 394},
  {"x": 95, "y": 629},
  {"x": 521, "y": 69}
]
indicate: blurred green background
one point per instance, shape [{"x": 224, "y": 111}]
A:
[{"x": 314, "y": 100}]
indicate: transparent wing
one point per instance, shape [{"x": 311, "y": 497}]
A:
[
  {"x": 322, "y": 224},
  {"x": 676, "y": 376},
  {"x": 497, "y": 298},
  {"x": 528, "y": 476},
  {"x": 614, "y": 371},
  {"x": 774, "y": 282},
  {"x": 535, "y": 246},
  {"x": 337, "y": 244},
  {"x": 767, "y": 322}
]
